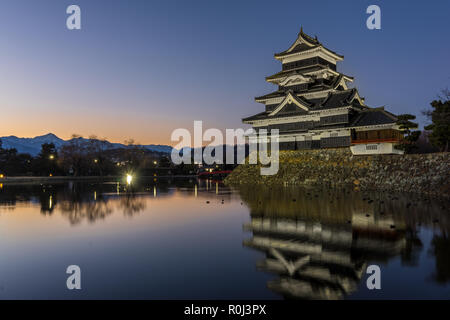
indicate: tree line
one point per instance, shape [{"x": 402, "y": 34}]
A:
[{"x": 81, "y": 157}]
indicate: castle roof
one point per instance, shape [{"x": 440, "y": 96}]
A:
[
  {"x": 303, "y": 43},
  {"x": 373, "y": 116}
]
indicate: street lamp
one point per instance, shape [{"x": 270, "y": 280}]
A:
[{"x": 129, "y": 178}]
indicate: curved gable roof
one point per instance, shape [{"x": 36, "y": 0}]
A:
[
  {"x": 304, "y": 42},
  {"x": 290, "y": 99}
]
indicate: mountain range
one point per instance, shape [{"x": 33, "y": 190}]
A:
[{"x": 32, "y": 146}]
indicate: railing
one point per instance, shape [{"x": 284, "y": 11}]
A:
[{"x": 361, "y": 141}]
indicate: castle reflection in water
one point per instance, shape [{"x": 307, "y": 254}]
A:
[
  {"x": 319, "y": 243},
  {"x": 315, "y": 244}
]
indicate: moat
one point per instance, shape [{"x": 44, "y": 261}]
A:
[{"x": 197, "y": 239}]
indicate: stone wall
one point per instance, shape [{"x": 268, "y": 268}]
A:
[{"x": 427, "y": 174}]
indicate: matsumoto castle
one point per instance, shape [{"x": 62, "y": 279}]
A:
[{"x": 314, "y": 108}]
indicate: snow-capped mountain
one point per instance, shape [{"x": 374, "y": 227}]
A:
[{"x": 32, "y": 146}]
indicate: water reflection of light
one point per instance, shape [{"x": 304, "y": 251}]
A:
[
  {"x": 338, "y": 235},
  {"x": 95, "y": 195},
  {"x": 217, "y": 188},
  {"x": 195, "y": 191},
  {"x": 50, "y": 202},
  {"x": 154, "y": 191},
  {"x": 118, "y": 188}
]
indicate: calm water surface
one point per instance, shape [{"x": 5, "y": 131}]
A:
[{"x": 192, "y": 239}]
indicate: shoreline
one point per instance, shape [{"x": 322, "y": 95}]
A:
[{"x": 60, "y": 179}]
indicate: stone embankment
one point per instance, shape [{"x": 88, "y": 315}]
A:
[{"x": 427, "y": 174}]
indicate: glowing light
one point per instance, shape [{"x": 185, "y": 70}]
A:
[
  {"x": 50, "y": 202},
  {"x": 95, "y": 160},
  {"x": 51, "y": 157},
  {"x": 129, "y": 178},
  {"x": 50, "y": 175},
  {"x": 155, "y": 162},
  {"x": 1, "y": 175}
]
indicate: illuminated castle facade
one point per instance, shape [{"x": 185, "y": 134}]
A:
[{"x": 314, "y": 107}]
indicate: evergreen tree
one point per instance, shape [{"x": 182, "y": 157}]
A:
[
  {"x": 440, "y": 121},
  {"x": 411, "y": 136},
  {"x": 46, "y": 161}
]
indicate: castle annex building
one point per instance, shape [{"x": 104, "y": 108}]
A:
[{"x": 314, "y": 108}]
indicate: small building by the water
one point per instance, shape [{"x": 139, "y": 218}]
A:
[{"x": 314, "y": 107}]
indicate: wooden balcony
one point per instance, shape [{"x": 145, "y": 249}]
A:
[
  {"x": 376, "y": 136},
  {"x": 380, "y": 140}
]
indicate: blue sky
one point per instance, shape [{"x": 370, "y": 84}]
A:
[{"x": 140, "y": 69}]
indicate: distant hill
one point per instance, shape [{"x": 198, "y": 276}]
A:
[{"x": 32, "y": 146}]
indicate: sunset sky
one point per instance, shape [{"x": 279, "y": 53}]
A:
[{"x": 140, "y": 69}]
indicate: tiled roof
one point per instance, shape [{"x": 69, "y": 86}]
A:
[
  {"x": 265, "y": 115},
  {"x": 313, "y": 43},
  {"x": 258, "y": 116},
  {"x": 373, "y": 117},
  {"x": 333, "y": 100},
  {"x": 301, "y": 71},
  {"x": 338, "y": 99},
  {"x": 282, "y": 93},
  {"x": 275, "y": 94}
]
